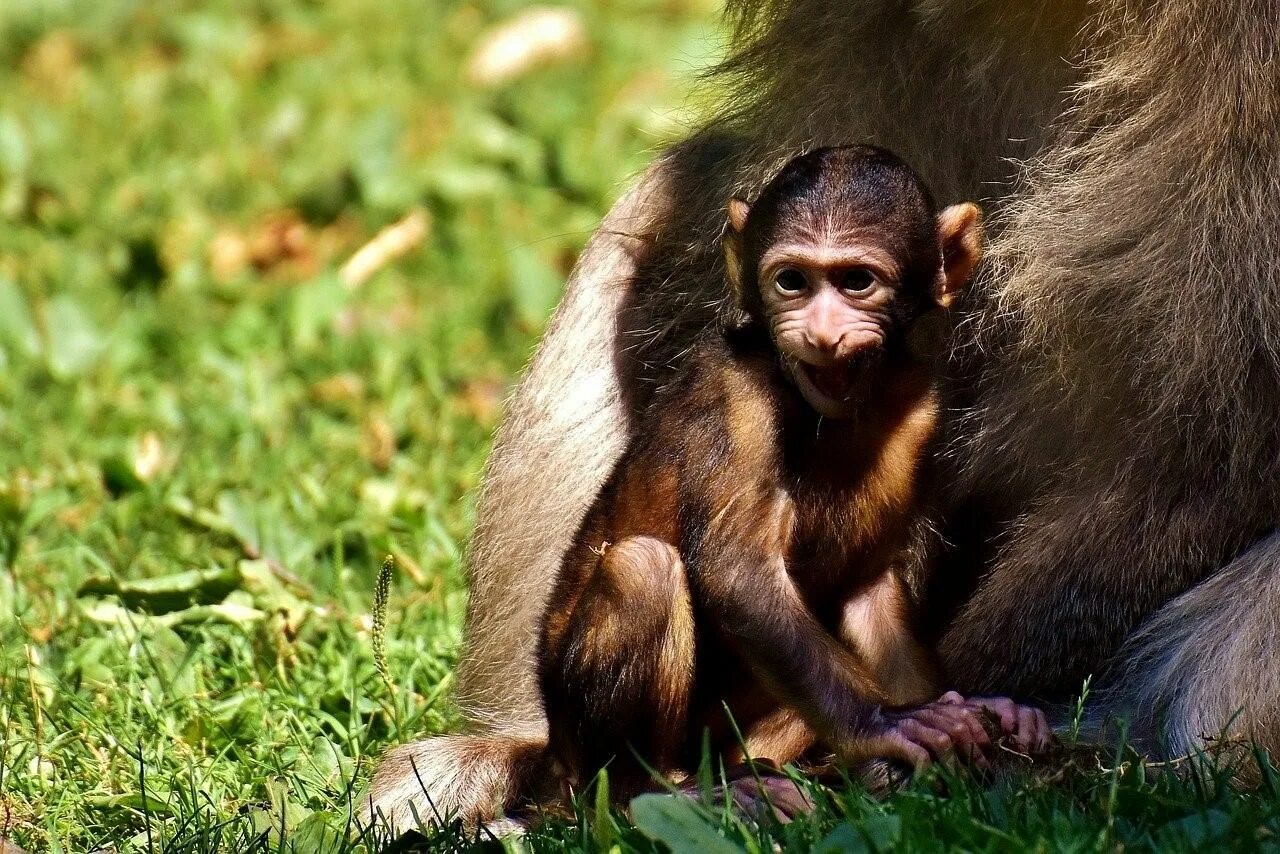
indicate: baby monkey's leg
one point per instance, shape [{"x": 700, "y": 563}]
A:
[
  {"x": 618, "y": 681},
  {"x": 780, "y": 737}
]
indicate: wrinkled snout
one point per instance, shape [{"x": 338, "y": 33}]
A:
[
  {"x": 838, "y": 346},
  {"x": 836, "y": 333}
]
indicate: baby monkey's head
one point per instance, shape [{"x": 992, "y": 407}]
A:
[{"x": 842, "y": 251}]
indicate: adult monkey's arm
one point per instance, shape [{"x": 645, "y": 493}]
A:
[{"x": 564, "y": 429}]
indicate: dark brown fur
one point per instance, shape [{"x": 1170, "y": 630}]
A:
[{"x": 784, "y": 520}]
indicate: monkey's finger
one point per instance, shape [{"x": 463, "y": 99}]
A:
[
  {"x": 926, "y": 717},
  {"x": 890, "y": 747},
  {"x": 967, "y": 734},
  {"x": 937, "y": 742},
  {"x": 773, "y": 795},
  {"x": 952, "y": 698},
  {"x": 787, "y": 797},
  {"x": 1027, "y": 736},
  {"x": 971, "y": 740},
  {"x": 907, "y": 750},
  {"x": 977, "y": 737},
  {"x": 1003, "y": 708},
  {"x": 974, "y": 721},
  {"x": 1044, "y": 732}
]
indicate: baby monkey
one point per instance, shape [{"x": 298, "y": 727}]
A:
[{"x": 746, "y": 555}]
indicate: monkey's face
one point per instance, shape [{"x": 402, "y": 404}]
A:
[
  {"x": 839, "y": 290},
  {"x": 832, "y": 306},
  {"x": 839, "y": 255}
]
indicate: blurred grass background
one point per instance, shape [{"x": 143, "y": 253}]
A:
[{"x": 209, "y": 438}]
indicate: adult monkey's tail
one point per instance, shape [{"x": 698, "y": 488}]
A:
[{"x": 1203, "y": 666}]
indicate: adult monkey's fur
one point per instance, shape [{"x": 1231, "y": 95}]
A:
[{"x": 1115, "y": 449}]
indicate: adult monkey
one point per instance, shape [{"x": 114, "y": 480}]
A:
[{"x": 1115, "y": 446}]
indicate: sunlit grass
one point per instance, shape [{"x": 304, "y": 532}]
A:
[{"x": 187, "y": 384}]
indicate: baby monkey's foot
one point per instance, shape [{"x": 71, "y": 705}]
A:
[{"x": 760, "y": 789}]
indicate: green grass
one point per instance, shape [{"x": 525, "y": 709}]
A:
[{"x": 208, "y": 442}]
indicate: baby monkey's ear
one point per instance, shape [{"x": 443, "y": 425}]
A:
[
  {"x": 960, "y": 231},
  {"x": 738, "y": 210}
]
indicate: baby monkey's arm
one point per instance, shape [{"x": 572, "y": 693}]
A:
[{"x": 743, "y": 586}]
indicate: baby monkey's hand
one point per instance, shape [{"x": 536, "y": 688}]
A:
[
  {"x": 921, "y": 735},
  {"x": 1026, "y": 726},
  {"x": 955, "y": 726}
]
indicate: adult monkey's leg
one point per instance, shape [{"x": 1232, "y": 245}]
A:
[
  {"x": 1205, "y": 664},
  {"x": 561, "y": 435},
  {"x": 1129, "y": 409}
]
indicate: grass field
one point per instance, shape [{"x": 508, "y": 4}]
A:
[{"x": 212, "y": 432}]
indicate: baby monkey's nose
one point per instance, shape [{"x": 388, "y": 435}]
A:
[
  {"x": 836, "y": 331},
  {"x": 825, "y": 339},
  {"x": 834, "y": 344},
  {"x": 856, "y": 342}
]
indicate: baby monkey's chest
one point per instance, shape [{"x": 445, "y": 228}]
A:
[
  {"x": 852, "y": 498},
  {"x": 843, "y": 539}
]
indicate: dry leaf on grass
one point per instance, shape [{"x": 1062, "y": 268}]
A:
[
  {"x": 149, "y": 458},
  {"x": 228, "y": 255},
  {"x": 344, "y": 389},
  {"x": 533, "y": 39},
  {"x": 378, "y": 441},
  {"x": 391, "y": 243},
  {"x": 283, "y": 236}
]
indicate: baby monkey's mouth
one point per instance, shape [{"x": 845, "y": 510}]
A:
[
  {"x": 833, "y": 381},
  {"x": 835, "y": 390}
]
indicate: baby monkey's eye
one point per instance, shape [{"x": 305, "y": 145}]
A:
[
  {"x": 857, "y": 281},
  {"x": 791, "y": 281}
]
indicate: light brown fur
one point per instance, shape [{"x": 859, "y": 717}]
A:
[{"x": 877, "y": 624}]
